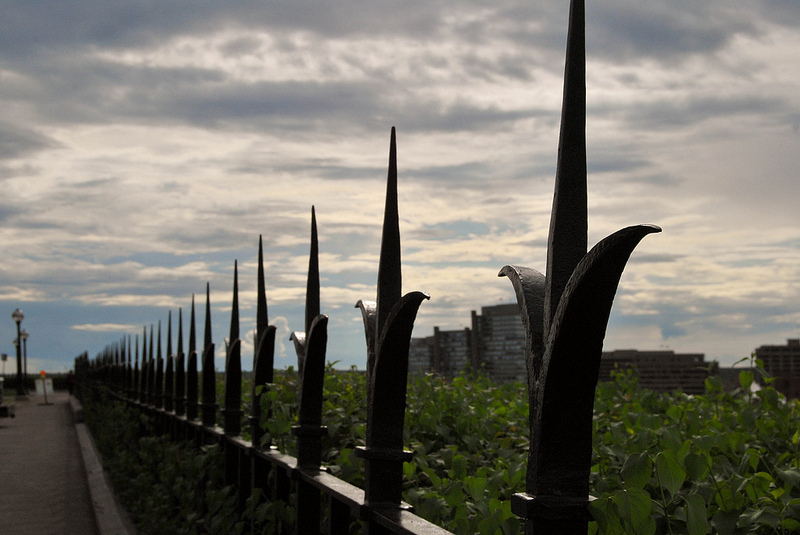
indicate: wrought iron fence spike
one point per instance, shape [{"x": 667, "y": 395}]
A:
[
  {"x": 234, "y": 332},
  {"x": 192, "y": 332},
  {"x": 207, "y": 339},
  {"x": 169, "y": 333},
  {"x": 180, "y": 330},
  {"x": 567, "y": 241},
  {"x": 389, "y": 269},
  {"x": 312, "y": 282},
  {"x": 262, "y": 317}
]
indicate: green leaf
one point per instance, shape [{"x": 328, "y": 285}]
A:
[
  {"x": 634, "y": 506},
  {"x": 746, "y": 379},
  {"x": 476, "y": 486},
  {"x": 669, "y": 472},
  {"x": 696, "y": 516},
  {"x": 637, "y": 470},
  {"x": 697, "y": 466},
  {"x": 459, "y": 467},
  {"x": 606, "y": 515}
]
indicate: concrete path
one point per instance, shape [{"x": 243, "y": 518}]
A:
[{"x": 43, "y": 483}]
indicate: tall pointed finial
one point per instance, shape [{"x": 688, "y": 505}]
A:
[
  {"x": 312, "y": 283},
  {"x": 180, "y": 330},
  {"x": 389, "y": 273},
  {"x": 169, "y": 334},
  {"x": 192, "y": 333},
  {"x": 207, "y": 338},
  {"x": 234, "y": 332},
  {"x": 568, "y": 220},
  {"x": 262, "y": 318}
]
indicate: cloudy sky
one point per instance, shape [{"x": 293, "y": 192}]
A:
[{"x": 146, "y": 145}]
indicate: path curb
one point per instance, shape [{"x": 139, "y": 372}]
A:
[{"x": 110, "y": 517}]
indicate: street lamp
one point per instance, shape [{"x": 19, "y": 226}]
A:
[
  {"x": 18, "y": 316},
  {"x": 24, "y": 335}
]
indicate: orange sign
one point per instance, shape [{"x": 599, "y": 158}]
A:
[{"x": 42, "y": 373}]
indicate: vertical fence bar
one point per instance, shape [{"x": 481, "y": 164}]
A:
[
  {"x": 129, "y": 372},
  {"x": 169, "y": 373},
  {"x": 180, "y": 371},
  {"x": 232, "y": 413},
  {"x": 310, "y": 347},
  {"x": 137, "y": 388},
  {"x": 159, "y": 375},
  {"x": 264, "y": 356},
  {"x": 151, "y": 371},
  {"x": 209, "y": 407},
  {"x": 263, "y": 373},
  {"x": 145, "y": 380},
  {"x": 565, "y": 315},
  {"x": 192, "y": 395},
  {"x": 388, "y": 324}
]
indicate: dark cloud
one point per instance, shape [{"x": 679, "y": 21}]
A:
[
  {"x": 661, "y": 114},
  {"x": 627, "y": 30},
  {"x": 18, "y": 141}
]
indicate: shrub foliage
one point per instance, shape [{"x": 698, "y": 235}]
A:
[{"x": 724, "y": 463}]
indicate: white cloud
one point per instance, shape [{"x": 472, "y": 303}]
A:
[{"x": 137, "y": 164}]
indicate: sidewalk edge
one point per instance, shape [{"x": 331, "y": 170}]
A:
[{"x": 111, "y": 519}]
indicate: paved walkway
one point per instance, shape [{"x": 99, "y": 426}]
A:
[{"x": 43, "y": 483}]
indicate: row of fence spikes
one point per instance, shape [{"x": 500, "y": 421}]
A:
[{"x": 388, "y": 324}]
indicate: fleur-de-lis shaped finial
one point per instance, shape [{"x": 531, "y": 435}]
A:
[
  {"x": 565, "y": 315},
  {"x": 310, "y": 347},
  {"x": 388, "y": 323}
]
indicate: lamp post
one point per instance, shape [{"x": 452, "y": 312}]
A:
[
  {"x": 18, "y": 316},
  {"x": 24, "y": 335}
]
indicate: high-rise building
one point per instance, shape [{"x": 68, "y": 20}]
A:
[
  {"x": 495, "y": 344},
  {"x": 783, "y": 363}
]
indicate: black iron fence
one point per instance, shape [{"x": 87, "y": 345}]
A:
[{"x": 564, "y": 314}]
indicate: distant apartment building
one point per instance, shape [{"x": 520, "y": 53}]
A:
[
  {"x": 783, "y": 363},
  {"x": 495, "y": 344},
  {"x": 662, "y": 371}
]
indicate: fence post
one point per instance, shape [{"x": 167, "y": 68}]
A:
[
  {"x": 565, "y": 315},
  {"x": 310, "y": 347},
  {"x": 388, "y": 323}
]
